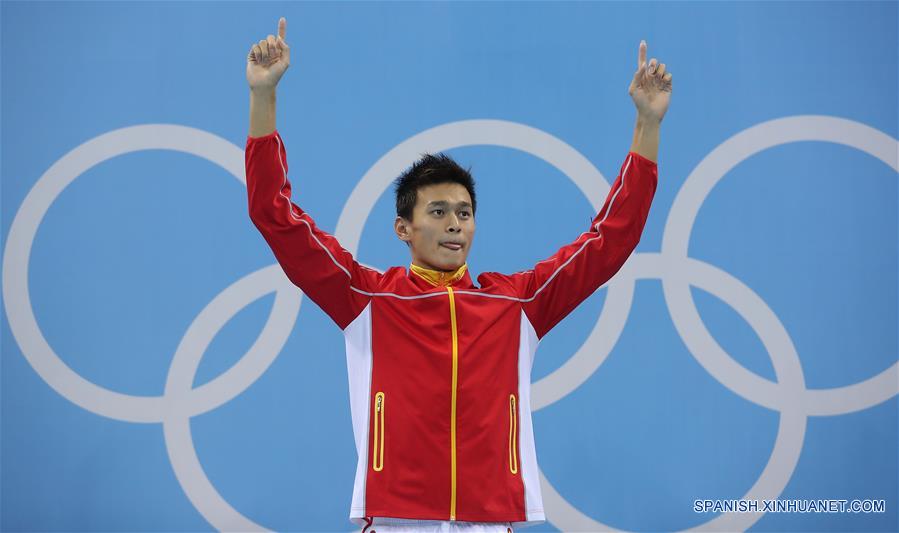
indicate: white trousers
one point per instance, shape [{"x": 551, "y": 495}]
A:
[{"x": 404, "y": 525}]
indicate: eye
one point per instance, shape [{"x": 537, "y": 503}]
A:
[
  {"x": 466, "y": 214},
  {"x": 437, "y": 212}
]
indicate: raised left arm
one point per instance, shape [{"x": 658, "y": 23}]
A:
[{"x": 555, "y": 286}]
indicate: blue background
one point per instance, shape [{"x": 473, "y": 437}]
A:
[{"x": 131, "y": 252}]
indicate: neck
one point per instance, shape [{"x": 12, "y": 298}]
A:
[
  {"x": 424, "y": 266},
  {"x": 439, "y": 277}
]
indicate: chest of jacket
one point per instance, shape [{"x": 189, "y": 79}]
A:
[{"x": 443, "y": 404}]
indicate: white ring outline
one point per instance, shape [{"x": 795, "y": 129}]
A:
[
  {"x": 17, "y": 300},
  {"x": 675, "y": 242},
  {"x": 179, "y": 403},
  {"x": 791, "y": 426}
]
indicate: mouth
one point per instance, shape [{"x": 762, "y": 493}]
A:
[{"x": 454, "y": 246}]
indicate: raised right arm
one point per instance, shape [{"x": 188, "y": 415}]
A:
[{"x": 311, "y": 258}]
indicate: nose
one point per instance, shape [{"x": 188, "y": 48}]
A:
[{"x": 453, "y": 224}]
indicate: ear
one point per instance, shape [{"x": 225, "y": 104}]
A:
[{"x": 402, "y": 227}]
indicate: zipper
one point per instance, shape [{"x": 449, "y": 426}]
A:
[
  {"x": 377, "y": 460},
  {"x": 452, "y": 302},
  {"x": 513, "y": 435}
]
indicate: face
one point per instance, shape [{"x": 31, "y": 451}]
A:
[{"x": 442, "y": 227}]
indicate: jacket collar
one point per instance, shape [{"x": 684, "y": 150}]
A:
[{"x": 438, "y": 278}]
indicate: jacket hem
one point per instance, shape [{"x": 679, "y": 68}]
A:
[{"x": 358, "y": 515}]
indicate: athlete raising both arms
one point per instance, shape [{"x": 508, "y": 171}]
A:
[{"x": 439, "y": 366}]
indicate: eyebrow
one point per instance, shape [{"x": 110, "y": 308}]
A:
[{"x": 444, "y": 203}]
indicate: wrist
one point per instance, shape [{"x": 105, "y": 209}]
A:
[
  {"x": 645, "y": 120},
  {"x": 646, "y": 137},
  {"x": 263, "y": 93}
]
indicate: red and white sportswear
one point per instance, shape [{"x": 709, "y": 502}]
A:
[{"x": 439, "y": 368}]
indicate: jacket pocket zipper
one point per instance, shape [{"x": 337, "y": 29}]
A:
[
  {"x": 513, "y": 435},
  {"x": 378, "y": 448}
]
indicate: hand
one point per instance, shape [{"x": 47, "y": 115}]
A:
[
  {"x": 268, "y": 59},
  {"x": 651, "y": 87}
]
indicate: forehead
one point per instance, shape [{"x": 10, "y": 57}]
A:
[{"x": 452, "y": 193}]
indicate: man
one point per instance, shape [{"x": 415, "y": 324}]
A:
[{"x": 439, "y": 367}]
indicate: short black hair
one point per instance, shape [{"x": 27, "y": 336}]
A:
[{"x": 429, "y": 170}]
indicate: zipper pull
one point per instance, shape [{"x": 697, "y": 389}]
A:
[{"x": 378, "y": 406}]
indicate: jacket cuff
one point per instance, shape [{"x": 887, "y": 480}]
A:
[
  {"x": 642, "y": 160},
  {"x": 264, "y": 137}
]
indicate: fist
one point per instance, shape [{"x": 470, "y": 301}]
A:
[{"x": 268, "y": 59}]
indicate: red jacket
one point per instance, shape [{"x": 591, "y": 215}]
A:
[{"x": 439, "y": 369}]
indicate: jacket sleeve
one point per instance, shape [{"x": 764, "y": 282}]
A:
[
  {"x": 312, "y": 259},
  {"x": 555, "y": 286}
]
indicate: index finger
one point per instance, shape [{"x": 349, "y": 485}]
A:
[
  {"x": 282, "y": 27},
  {"x": 641, "y": 56}
]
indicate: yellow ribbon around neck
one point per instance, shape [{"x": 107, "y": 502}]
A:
[{"x": 439, "y": 278}]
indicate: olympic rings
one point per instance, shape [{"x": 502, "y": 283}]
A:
[{"x": 676, "y": 270}]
